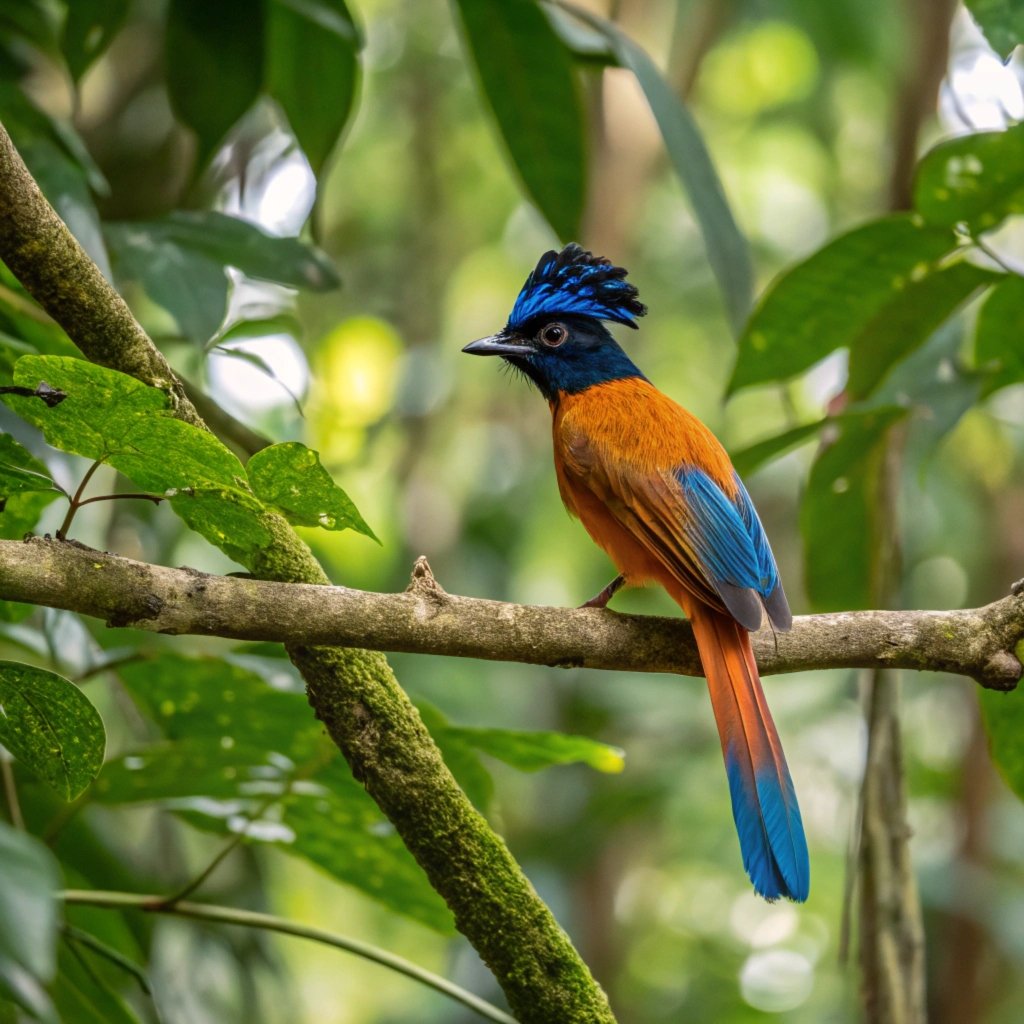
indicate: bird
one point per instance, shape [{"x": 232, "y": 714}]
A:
[{"x": 654, "y": 488}]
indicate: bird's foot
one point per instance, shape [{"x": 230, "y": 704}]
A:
[{"x": 601, "y": 600}]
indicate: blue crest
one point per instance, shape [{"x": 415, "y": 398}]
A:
[{"x": 576, "y": 281}]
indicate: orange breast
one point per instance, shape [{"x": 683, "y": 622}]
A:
[{"x": 628, "y": 423}]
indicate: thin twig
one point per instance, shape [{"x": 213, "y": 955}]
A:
[
  {"x": 76, "y": 500},
  {"x": 138, "y": 495},
  {"x": 268, "y": 922},
  {"x": 100, "y": 948}
]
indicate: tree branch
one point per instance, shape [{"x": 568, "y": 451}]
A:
[{"x": 977, "y": 642}]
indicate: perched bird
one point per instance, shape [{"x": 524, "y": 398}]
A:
[{"x": 657, "y": 491}]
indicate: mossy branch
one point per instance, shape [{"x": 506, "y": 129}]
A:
[
  {"x": 354, "y": 692},
  {"x": 977, "y": 642}
]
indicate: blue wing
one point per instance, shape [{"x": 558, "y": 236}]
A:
[{"x": 730, "y": 544}]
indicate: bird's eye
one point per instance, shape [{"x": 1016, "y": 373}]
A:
[{"x": 553, "y": 335}]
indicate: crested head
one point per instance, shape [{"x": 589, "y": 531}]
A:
[
  {"x": 555, "y": 335},
  {"x": 576, "y": 281}
]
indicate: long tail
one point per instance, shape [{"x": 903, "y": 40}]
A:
[{"x": 763, "y": 799}]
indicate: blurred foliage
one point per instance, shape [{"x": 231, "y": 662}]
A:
[{"x": 311, "y": 206}]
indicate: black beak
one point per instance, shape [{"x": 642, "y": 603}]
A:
[{"x": 498, "y": 345}]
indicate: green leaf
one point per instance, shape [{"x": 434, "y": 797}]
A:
[
  {"x": 89, "y": 27},
  {"x": 839, "y": 516},
  {"x": 28, "y": 912},
  {"x": 21, "y": 471},
  {"x": 21, "y": 988},
  {"x": 80, "y": 993},
  {"x": 830, "y": 299},
  {"x": 532, "y": 751},
  {"x": 312, "y": 70},
  {"x": 290, "y": 477},
  {"x": 189, "y": 285},
  {"x": 21, "y": 512},
  {"x": 999, "y": 335},
  {"x": 908, "y": 321},
  {"x": 976, "y": 179},
  {"x": 727, "y": 249},
  {"x": 748, "y": 460},
  {"x": 233, "y": 242},
  {"x": 51, "y": 727},
  {"x": 1002, "y": 21},
  {"x": 214, "y": 57},
  {"x": 232, "y": 741},
  {"x": 527, "y": 76},
  {"x": 1003, "y": 714},
  {"x": 112, "y": 417}
]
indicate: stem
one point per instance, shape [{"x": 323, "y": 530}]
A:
[
  {"x": 76, "y": 500},
  {"x": 11, "y": 793},
  {"x": 155, "y": 498},
  {"x": 271, "y": 923},
  {"x": 74, "y": 934}
]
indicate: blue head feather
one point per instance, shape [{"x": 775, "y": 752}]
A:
[{"x": 575, "y": 281}]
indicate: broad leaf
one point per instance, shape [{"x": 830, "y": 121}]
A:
[
  {"x": 290, "y": 477},
  {"x": 233, "y": 743},
  {"x": 312, "y": 70},
  {"x": 214, "y": 56},
  {"x": 907, "y": 322},
  {"x": 999, "y": 336},
  {"x": 233, "y": 242},
  {"x": 51, "y": 727},
  {"x": 1002, "y": 21},
  {"x": 840, "y": 518},
  {"x": 20, "y": 471},
  {"x": 1003, "y": 714},
  {"x": 832, "y": 298},
  {"x": 21, "y": 512},
  {"x": 89, "y": 27},
  {"x": 526, "y": 74},
  {"x": 727, "y": 249},
  {"x": 28, "y": 912},
  {"x": 192, "y": 287},
  {"x": 976, "y": 179},
  {"x": 80, "y": 993},
  {"x": 748, "y": 460},
  {"x": 532, "y": 751},
  {"x": 112, "y": 417}
]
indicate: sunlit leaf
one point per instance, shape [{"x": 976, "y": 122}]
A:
[
  {"x": 51, "y": 727},
  {"x": 906, "y": 322},
  {"x": 28, "y": 912},
  {"x": 526, "y": 74},
  {"x": 89, "y": 27},
  {"x": 1002, "y": 21},
  {"x": 840, "y": 519},
  {"x": 999, "y": 336},
  {"x": 112, "y": 417},
  {"x": 532, "y": 751},
  {"x": 975, "y": 179},
  {"x": 831, "y": 299},
  {"x": 312, "y": 70},
  {"x": 727, "y": 249},
  {"x": 290, "y": 477},
  {"x": 214, "y": 56}
]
